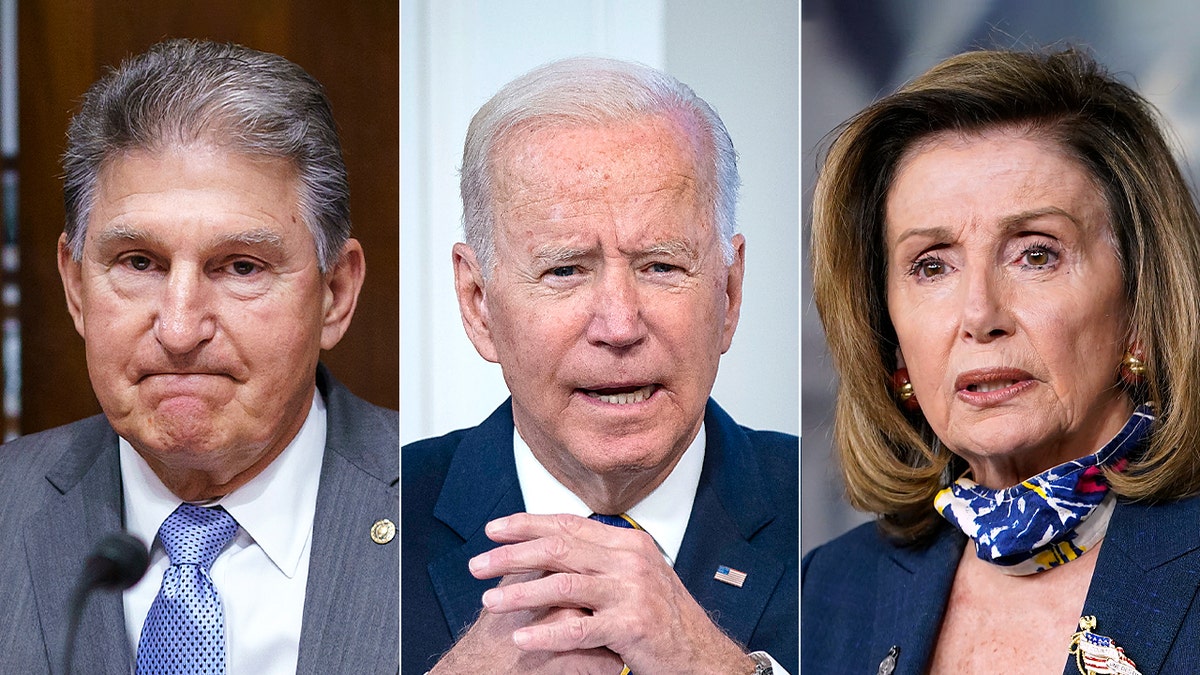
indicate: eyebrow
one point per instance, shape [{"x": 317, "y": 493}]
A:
[
  {"x": 674, "y": 248},
  {"x": 256, "y": 237},
  {"x": 126, "y": 234},
  {"x": 553, "y": 254},
  {"x": 1007, "y": 224}
]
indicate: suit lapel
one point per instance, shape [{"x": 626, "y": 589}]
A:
[
  {"x": 351, "y": 615},
  {"x": 910, "y": 614},
  {"x": 481, "y": 485},
  {"x": 725, "y": 517},
  {"x": 1145, "y": 582},
  {"x": 58, "y": 541}
]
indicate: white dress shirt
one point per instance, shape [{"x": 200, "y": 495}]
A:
[
  {"x": 261, "y": 575},
  {"x": 663, "y": 513}
]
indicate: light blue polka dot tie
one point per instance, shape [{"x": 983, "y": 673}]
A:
[{"x": 184, "y": 633}]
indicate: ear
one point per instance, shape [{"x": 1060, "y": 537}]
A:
[
  {"x": 472, "y": 301},
  {"x": 71, "y": 273},
  {"x": 342, "y": 285},
  {"x": 733, "y": 290}
]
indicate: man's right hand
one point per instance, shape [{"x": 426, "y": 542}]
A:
[{"x": 487, "y": 647}]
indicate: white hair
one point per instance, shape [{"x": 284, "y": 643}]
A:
[{"x": 589, "y": 91}]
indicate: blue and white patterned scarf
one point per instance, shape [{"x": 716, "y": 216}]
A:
[{"x": 1047, "y": 520}]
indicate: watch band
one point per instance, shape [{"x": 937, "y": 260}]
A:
[{"x": 762, "y": 663}]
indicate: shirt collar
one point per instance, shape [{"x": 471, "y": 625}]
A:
[
  {"x": 275, "y": 508},
  {"x": 663, "y": 513}
]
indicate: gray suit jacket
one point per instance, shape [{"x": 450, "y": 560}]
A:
[{"x": 60, "y": 493}]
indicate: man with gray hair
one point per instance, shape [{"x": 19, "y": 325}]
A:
[
  {"x": 207, "y": 261},
  {"x": 631, "y": 522}
]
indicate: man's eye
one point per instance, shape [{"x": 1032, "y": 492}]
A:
[
  {"x": 243, "y": 268},
  {"x": 662, "y": 268},
  {"x": 139, "y": 262},
  {"x": 564, "y": 271}
]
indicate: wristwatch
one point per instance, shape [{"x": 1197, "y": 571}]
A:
[{"x": 762, "y": 663}]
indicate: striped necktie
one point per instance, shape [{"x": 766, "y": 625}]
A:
[
  {"x": 619, "y": 520},
  {"x": 184, "y": 633}
]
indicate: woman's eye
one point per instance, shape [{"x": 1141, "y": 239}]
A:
[
  {"x": 1037, "y": 257},
  {"x": 928, "y": 267}
]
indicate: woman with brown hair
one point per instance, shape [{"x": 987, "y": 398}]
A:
[{"x": 1006, "y": 259}]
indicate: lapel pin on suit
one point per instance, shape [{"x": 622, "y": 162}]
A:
[
  {"x": 1098, "y": 653},
  {"x": 383, "y": 531},
  {"x": 730, "y": 576},
  {"x": 888, "y": 665}
]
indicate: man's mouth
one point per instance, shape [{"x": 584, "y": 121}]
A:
[
  {"x": 622, "y": 395},
  {"x": 182, "y": 375}
]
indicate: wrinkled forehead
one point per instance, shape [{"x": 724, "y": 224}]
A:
[
  {"x": 560, "y": 153},
  {"x": 184, "y": 187},
  {"x": 556, "y": 171},
  {"x": 1042, "y": 134}
]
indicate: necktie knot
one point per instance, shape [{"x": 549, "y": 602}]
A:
[
  {"x": 194, "y": 535},
  {"x": 184, "y": 632},
  {"x": 619, "y": 520}
]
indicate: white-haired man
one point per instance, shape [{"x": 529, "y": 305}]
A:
[{"x": 637, "y": 524}]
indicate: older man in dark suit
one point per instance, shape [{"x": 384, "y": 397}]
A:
[
  {"x": 207, "y": 261},
  {"x": 637, "y": 524}
]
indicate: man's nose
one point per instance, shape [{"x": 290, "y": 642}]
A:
[
  {"x": 185, "y": 318},
  {"x": 617, "y": 319}
]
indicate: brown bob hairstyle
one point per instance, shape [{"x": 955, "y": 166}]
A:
[{"x": 892, "y": 463}]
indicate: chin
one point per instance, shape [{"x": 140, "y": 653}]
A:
[{"x": 608, "y": 455}]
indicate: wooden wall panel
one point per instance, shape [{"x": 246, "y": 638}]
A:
[{"x": 352, "y": 48}]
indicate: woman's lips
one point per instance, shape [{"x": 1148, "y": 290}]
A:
[{"x": 991, "y": 386}]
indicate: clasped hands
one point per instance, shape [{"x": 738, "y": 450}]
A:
[{"x": 579, "y": 596}]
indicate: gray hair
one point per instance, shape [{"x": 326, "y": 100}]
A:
[
  {"x": 186, "y": 91},
  {"x": 587, "y": 91}
]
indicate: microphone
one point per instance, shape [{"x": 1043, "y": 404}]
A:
[{"x": 116, "y": 563}]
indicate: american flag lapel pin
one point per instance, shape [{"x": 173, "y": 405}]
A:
[
  {"x": 1095, "y": 654},
  {"x": 730, "y": 576}
]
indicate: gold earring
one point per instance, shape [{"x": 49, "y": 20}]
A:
[
  {"x": 903, "y": 389},
  {"x": 1133, "y": 368}
]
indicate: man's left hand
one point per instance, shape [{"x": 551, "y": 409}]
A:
[{"x": 639, "y": 608}]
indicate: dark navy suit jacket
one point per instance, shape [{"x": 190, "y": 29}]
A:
[
  {"x": 744, "y": 516},
  {"x": 60, "y": 493},
  {"x": 861, "y": 594}
]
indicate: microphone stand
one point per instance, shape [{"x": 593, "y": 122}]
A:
[{"x": 116, "y": 563}]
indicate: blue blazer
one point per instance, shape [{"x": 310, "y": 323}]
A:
[
  {"x": 60, "y": 493},
  {"x": 744, "y": 516},
  {"x": 861, "y": 594}
]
